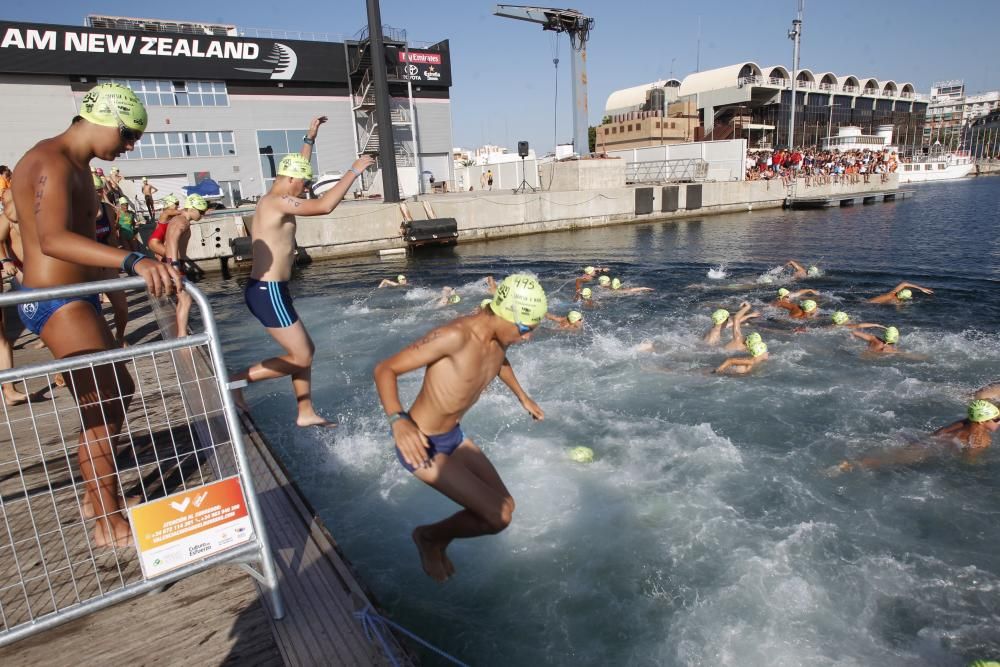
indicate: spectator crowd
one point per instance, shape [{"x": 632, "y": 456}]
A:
[{"x": 820, "y": 167}]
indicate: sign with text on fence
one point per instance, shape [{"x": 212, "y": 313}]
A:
[{"x": 185, "y": 527}]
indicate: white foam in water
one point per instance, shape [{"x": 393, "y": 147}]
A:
[{"x": 704, "y": 532}]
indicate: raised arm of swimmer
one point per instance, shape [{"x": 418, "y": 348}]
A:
[
  {"x": 53, "y": 227},
  {"x": 307, "y": 146},
  {"x": 433, "y": 347},
  {"x": 294, "y": 206},
  {"x": 507, "y": 376}
]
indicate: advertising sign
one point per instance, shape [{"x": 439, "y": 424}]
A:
[
  {"x": 426, "y": 67},
  {"x": 34, "y": 48},
  {"x": 188, "y": 526}
]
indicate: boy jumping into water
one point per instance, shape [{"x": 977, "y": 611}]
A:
[
  {"x": 267, "y": 294},
  {"x": 899, "y": 293},
  {"x": 54, "y": 193},
  {"x": 462, "y": 358}
]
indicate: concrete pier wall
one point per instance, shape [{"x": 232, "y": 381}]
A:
[{"x": 357, "y": 228}]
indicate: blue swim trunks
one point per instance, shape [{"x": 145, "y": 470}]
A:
[
  {"x": 271, "y": 303},
  {"x": 35, "y": 314},
  {"x": 443, "y": 443}
]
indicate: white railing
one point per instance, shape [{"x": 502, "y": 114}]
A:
[
  {"x": 778, "y": 82},
  {"x": 666, "y": 171}
]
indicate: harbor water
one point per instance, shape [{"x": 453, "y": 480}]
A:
[{"x": 705, "y": 531}]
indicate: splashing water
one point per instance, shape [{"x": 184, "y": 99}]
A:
[{"x": 718, "y": 272}]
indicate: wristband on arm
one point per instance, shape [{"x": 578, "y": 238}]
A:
[
  {"x": 131, "y": 259},
  {"x": 309, "y": 142},
  {"x": 355, "y": 172}
]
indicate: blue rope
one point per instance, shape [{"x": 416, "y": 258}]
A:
[{"x": 373, "y": 623}]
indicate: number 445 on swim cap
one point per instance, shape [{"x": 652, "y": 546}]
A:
[{"x": 520, "y": 299}]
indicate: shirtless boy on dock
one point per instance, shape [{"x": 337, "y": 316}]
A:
[
  {"x": 267, "y": 294},
  {"x": 462, "y": 358},
  {"x": 54, "y": 195}
]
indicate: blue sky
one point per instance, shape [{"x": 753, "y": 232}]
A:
[{"x": 503, "y": 73}]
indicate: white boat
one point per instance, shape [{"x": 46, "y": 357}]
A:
[{"x": 937, "y": 166}]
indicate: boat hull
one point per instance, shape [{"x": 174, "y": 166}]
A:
[{"x": 949, "y": 172}]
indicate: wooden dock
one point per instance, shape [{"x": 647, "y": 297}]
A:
[
  {"x": 847, "y": 199},
  {"x": 212, "y": 618}
]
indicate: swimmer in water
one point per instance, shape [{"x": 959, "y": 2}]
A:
[
  {"x": 491, "y": 285},
  {"x": 400, "y": 281},
  {"x": 786, "y": 295},
  {"x": 589, "y": 272},
  {"x": 807, "y": 309},
  {"x": 586, "y": 297},
  {"x": 884, "y": 344},
  {"x": 899, "y": 294},
  {"x": 737, "y": 320},
  {"x": 720, "y": 319},
  {"x": 462, "y": 358},
  {"x": 572, "y": 322},
  {"x": 742, "y": 365},
  {"x": 799, "y": 272},
  {"x": 968, "y": 438},
  {"x": 618, "y": 288},
  {"x": 449, "y": 297}
]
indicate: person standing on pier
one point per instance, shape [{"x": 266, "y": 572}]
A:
[
  {"x": 267, "y": 294},
  {"x": 461, "y": 359},
  {"x": 147, "y": 192},
  {"x": 54, "y": 194}
]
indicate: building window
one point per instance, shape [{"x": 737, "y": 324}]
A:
[
  {"x": 156, "y": 93},
  {"x": 276, "y": 144},
  {"x": 605, "y": 130},
  {"x": 657, "y": 125},
  {"x": 163, "y": 145},
  {"x": 673, "y": 125},
  {"x": 614, "y": 130}
]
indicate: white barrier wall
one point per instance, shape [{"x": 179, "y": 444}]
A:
[
  {"x": 726, "y": 159},
  {"x": 506, "y": 175}
]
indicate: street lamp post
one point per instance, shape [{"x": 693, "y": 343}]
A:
[{"x": 794, "y": 34}]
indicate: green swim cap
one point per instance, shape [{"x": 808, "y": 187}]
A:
[
  {"x": 616, "y": 284},
  {"x": 110, "y": 104},
  {"x": 840, "y": 317},
  {"x": 574, "y": 316},
  {"x": 123, "y": 200},
  {"x": 589, "y": 270},
  {"x": 808, "y": 305},
  {"x": 982, "y": 411},
  {"x": 720, "y": 316},
  {"x": 196, "y": 202},
  {"x": 813, "y": 271},
  {"x": 783, "y": 292},
  {"x": 454, "y": 298},
  {"x": 400, "y": 278},
  {"x": 295, "y": 166},
  {"x": 520, "y": 299},
  {"x": 753, "y": 337},
  {"x": 581, "y": 454},
  {"x": 603, "y": 281},
  {"x": 890, "y": 335},
  {"x": 904, "y": 294},
  {"x": 984, "y": 663},
  {"x": 171, "y": 200},
  {"x": 756, "y": 348},
  {"x": 484, "y": 304},
  {"x": 586, "y": 293}
]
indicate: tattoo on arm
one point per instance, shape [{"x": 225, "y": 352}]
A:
[
  {"x": 426, "y": 339},
  {"x": 39, "y": 194},
  {"x": 294, "y": 202}
]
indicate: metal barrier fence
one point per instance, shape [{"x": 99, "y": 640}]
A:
[
  {"x": 179, "y": 453},
  {"x": 666, "y": 171}
]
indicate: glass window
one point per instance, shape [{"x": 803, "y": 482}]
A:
[
  {"x": 176, "y": 150},
  {"x": 216, "y": 149}
]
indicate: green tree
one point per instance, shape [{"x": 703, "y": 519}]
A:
[{"x": 592, "y": 138}]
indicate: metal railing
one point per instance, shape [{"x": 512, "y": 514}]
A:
[
  {"x": 666, "y": 171},
  {"x": 178, "y": 452}
]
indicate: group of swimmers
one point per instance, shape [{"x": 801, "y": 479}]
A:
[{"x": 972, "y": 434}]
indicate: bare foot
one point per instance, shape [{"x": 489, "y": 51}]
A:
[
  {"x": 432, "y": 558},
  {"x": 121, "y": 531},
  {"x": 12, "y": 398},
  {"x": 314, "y": 420}
]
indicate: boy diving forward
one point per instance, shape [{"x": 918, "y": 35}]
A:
[
  {"x": 267, "y": 294},
  {"x": 462, "y": 358}
]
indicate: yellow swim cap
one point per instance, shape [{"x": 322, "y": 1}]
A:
[
  {"x": 616, "y": 284},
  {"x": 756, "y": 348},
  {"x": 890, "y": 335},
  {"x": 720, "y": 316},
  {"x": 484, "y": 304},
  {"x": 586, "y": 293},
  {"x": 840, "y": 317},
  {"x": 783, "y": 292},
  {"x": 454, "y": 298},
  {"x": 520, "y": 299},
  {"x": 581, "y": 454},
  {"x": 123, "y": 200},
  {"x": 574, "y": 316},
  {"x": 904, "y": 294},
  {"x": 589, "y": 270},
  {"x": 808, "y": 305},
  {"x": 196, "y": 202},
  {"x": 295, "y": 166},
  {"x": 982, "y": 411},
  {"x": 111, "y": 104},
  {"x": 401, "y": 279},
  {"x": 603, "y": 281},
  {"x": 813, "y": 271},
  {"x": 751, "y": 338}
]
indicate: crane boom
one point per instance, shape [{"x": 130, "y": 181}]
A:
[{"x": 578, "y": 26}]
